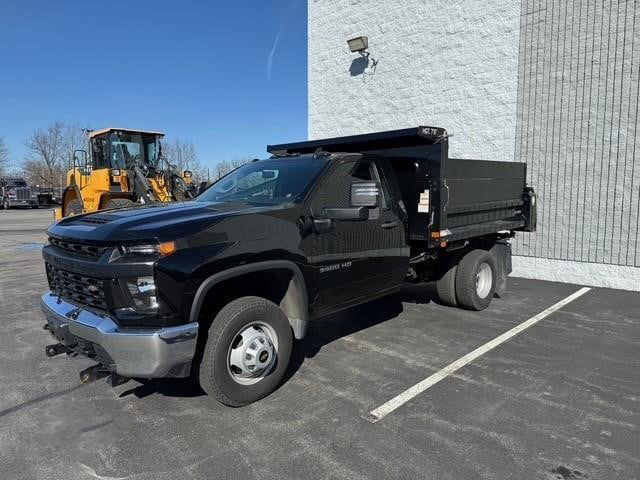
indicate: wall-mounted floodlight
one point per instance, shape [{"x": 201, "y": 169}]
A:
[{"x": 358, "y": 44}]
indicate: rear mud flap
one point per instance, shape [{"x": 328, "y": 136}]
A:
[{"x": 501, "y": 250}]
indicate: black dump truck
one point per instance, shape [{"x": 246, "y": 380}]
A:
[
  {"x": 219, "y": 287},
  {"x": 14, "y": 192}
]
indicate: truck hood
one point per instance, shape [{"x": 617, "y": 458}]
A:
[{"x": 167, "y": 221}]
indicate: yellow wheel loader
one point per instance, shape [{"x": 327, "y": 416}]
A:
[{"x": 122, "y": 167}]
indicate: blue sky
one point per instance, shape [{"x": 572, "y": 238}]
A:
[{"x": 229, "y": 75}]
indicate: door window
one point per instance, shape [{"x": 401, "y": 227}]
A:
[{"x": 336, "y": 192}]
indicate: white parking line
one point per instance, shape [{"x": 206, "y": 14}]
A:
[{"x": 399, "y": 400}]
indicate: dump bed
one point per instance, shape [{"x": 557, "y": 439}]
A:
[{"x": 445, "y": 198}]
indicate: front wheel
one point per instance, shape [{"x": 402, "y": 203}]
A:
[{"x": 247, "y": 351}]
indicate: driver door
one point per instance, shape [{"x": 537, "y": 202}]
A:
[{"x": 354, "y": 259}]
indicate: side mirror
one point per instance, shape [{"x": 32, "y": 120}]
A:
[
  {"x": 187, "y": 174},
  {"x": 353, "y": 213},
  {"x": 365, "y": 194}
]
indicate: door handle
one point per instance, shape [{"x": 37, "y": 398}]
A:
[
  {"x": 322, "y": 225},
  {"x": 389, "y": 224}
]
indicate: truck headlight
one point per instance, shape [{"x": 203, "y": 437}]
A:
[
  {"x": 158, "y": 249},
  {"x": 143, "y": 294}
]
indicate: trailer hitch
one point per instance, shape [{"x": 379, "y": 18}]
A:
[{"x": 56, "y": 349}]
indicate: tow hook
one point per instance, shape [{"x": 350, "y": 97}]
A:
[
  {"x": 114, "y": 379},
  {"x": 99, "y": 371},
  {"x": 94, "y": 373},
  {"x": 55, "y": 349}
]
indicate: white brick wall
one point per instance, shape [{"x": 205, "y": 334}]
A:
[
  {"x": 553, "y": 83},
  {"x": 452, "y": 64}
]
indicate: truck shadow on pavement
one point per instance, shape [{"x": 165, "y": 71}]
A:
[
  {"x": 321, "y": 332},
  {"x": 329, "y": 329}
]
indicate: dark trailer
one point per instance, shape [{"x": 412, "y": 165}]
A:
[{"x": 448, "y": 201}]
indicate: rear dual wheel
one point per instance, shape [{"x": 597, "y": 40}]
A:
[
  {"x": 247, "y": 351},
  {"x": 469, "y": 283},
  {"x": 446, "y": 283},
  {"x": 476, "y": 280}
]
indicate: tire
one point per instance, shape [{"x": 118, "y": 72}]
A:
[
  {"x": 476, "y": 280},
  {"x": 446, "y": 282},
  {"x": 222, "y": 372},
  {"x": 35, "y": 206},
  {"x": 73, "y": 208},
  {"x": 119, "y": 203}
]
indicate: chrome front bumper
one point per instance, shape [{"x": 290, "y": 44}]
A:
[
  {"x": 135, "y": 352},
  {"x": 22, "y": 203}
]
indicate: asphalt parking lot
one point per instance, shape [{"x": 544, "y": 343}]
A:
[{"x": 560, "y": 400}]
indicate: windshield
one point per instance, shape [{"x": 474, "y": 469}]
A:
[
  {"x": 273, "y": 181},
  {"x": 16, "y": 183},
  {"x": 128, "y": 149}
]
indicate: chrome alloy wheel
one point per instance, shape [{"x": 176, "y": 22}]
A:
[
  {"x": 253, "y": 353},
  {"x": 484, "y": 279}
]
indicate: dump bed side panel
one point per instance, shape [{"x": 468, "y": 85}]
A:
[
  {"x": 458, "y": 199},
  {"x": 483, "y": 196},
  {"x": 474, "y": 182}
]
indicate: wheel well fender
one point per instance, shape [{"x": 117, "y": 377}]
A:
[{"x": 293, "y": 301}]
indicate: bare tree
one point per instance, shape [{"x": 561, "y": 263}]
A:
[
  {"x": 183, "y": 155},
  {"x": 226, "y": 166},
  {"x": 45, "y": 163},
  {"x": 74, "y": 138},
  {"x": 4, "y": 155},
  {"x": 222, "y": 168}
]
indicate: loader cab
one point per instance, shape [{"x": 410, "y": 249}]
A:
[
  {"x": 121, "y": 167},
  {"x": 121, "y": 149}
]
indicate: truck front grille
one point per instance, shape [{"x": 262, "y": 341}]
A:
[
  {"x": 79, "y": 248},
  {"x": 23, "y": 193},
  {"x": 79, "y": 289}
]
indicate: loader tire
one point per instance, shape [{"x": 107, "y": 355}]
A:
[
  {"x": 120, "y": 203},
  {"x": 73, "y": 208}
]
